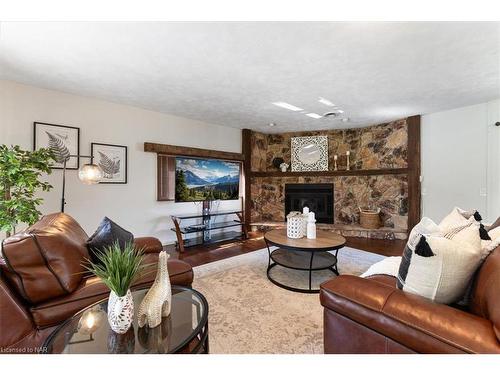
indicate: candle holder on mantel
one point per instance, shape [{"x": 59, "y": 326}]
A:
[
  {"x": 335, "y": 162},
  {"x": 348, "y": 164}
]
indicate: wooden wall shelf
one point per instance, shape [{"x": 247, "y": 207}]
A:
[{"x": 352, "y": 172}]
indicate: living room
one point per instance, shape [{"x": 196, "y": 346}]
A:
[{"x": 250, "y": 188}]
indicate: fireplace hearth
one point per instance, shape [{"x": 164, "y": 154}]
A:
[{"x": 318, "y": 197}]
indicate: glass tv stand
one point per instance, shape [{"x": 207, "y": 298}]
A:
[{"x": 205, "y": 225}]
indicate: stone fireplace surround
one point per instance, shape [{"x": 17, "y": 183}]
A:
[{"x": 378, "y": 178}]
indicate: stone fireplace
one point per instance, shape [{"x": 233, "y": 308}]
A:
[
  {"x": 378, "y": 177},
  {"x": 318, "y": 197}
]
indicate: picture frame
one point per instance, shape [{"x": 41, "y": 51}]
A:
[
  {"x": 62, "y": 139},
  {"x": 309, "y": 153},
  {"x": 113, "y": 161}
]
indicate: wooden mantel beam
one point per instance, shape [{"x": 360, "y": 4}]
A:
[{"x": 191, "y": 151}]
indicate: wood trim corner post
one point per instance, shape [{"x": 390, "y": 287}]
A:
[
  {"x": 414, "y": 171},
  {"x": 246, "y": 150}
]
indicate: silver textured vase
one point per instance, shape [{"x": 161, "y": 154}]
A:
[{"x": 120, "y": 312}]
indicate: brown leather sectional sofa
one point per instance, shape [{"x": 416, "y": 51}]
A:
[
  {"x": 372, "y": 316},
  {"x": 43, "y": 282}
]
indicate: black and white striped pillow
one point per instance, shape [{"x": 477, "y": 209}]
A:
[{"x": 439, "y": 265}]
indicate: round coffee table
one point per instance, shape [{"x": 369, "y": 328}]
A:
[
  {"x": 185, "y": 330},
  {"x": 303, "y": 254}
]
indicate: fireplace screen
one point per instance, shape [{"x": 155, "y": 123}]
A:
[{"x": 318, "y": 197}]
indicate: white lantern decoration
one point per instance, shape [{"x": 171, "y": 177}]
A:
[{"x": 295, "y": 225}]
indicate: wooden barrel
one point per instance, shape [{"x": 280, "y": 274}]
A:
[{"x": 369, "y": 219}]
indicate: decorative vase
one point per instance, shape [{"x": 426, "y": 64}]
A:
[
  {"x": 120, "y": 312},
  {"x": 311, "y": 226},
  {"x": 158, "y": 300}
]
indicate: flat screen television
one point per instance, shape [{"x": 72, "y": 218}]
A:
[{"x": 206, "y": 179}]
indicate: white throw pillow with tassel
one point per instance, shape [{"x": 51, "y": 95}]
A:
[{"x": 439, "y": 265}]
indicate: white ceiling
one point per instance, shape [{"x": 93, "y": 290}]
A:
[{"x": 230, "y": 73}]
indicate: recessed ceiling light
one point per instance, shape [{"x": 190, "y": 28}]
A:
[
  {"x": 272, "y": 124},
  {"x": 333, "y": 113},
  {"x": 330, "y": 114},
  {"x": 287, "y": 106},
  {"x": 326, "y": 102},
  {"x": 314, "y": 115}
]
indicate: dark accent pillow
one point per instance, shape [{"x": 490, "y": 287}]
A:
[{"x": 106, "y": 235}]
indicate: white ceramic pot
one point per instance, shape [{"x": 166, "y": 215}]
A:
[{"x": 120, "y": 312}]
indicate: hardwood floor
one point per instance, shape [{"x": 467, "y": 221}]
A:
[
  {"x": 198, "y": 255},
  {"x": 389, "y": 248}
]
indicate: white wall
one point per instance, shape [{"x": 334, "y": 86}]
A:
[
  {"x": 132, "y": 205},
  {"x": 460, "y": 161}
]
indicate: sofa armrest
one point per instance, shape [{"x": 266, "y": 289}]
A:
[
  {"x": 413, "y": 321},
  {"x": 148, "y": 244}
]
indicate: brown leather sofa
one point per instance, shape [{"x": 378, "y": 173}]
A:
[
  {"x": 43, "y": 282},
  {"x": 372, "y": 316}
]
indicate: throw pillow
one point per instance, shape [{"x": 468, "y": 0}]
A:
[
  {"x": 106, "y": 235},
  {"x": 388, "y": 266},
  {"x": 455, "y": 218},
  {"x": 458, "y": 217},
  {"x": 438, "y": 265}
]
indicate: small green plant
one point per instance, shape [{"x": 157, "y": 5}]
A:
[
  {"x": 118, "y": 268},
  {"x": 20, "y": 173}
]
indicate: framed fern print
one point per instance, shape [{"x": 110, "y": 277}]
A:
[
  {"x": 113, "y": 161},
  {"x": 62, "y": 140}
]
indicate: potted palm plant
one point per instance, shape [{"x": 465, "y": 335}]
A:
[{"x": 118, "y": 268}]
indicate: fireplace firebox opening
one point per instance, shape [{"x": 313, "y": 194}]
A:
[{"x": 318, "y": 197}]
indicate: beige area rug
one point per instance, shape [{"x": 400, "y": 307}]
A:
[{"x": 249, "y": 314}]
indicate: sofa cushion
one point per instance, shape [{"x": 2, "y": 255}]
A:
[
  {"x": 45, "y": 260},
  {"x": 106, "y": 234},
  {"x": 148, "y": 244},
  {"x": 92, "y": 290}
]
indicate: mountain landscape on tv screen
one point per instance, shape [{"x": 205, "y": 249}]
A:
[{"x": 206, "y": 179}]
